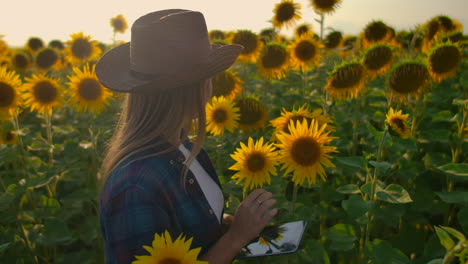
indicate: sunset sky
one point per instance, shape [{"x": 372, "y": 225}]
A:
[{"x": 57, "y": 19}]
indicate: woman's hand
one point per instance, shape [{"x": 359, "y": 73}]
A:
[{"x": 251, "y": 216}]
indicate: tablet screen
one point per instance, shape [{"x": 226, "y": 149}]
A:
[{"x": 275, "y": 240}]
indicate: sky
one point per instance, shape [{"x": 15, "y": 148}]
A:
[{"x": 57, "y": 19}]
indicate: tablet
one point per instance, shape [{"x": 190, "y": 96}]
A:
[{"x": 275, "y": 240}]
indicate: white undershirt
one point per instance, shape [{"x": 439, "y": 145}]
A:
[{"x": 209, "y": 187}]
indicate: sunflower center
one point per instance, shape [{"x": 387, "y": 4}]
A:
[
  {"x": 56, "y": 44},
  {"x": 398, "y": 122},
  {"x": 46, "y": 58},
  {"x": 325, "y": 4},
  {"x": 378, "y": 57},
  {"x": 117, "y": 24},
  {"x": 246, "y": 39},
  {"x": 7, "y": 95},
  {"x": 35, "y": 44},
  {"x": 255, "y": 162},
  {"x": 89, "y": 89},
  {"x": 333, "y": 39},
  {"x": 447, "y": 23},
  {"x": 220, "y": 116},
  {"x": 223, "y": 84},
  {"x": 432, "y": 29},
  {"x": 275, "y": 57},
  {"x": 305, "y": 151},
  {"x": 170, "y": 260},
  {"x": 305, "y": 50},
  {"x": 21, "y": 61},
  {"x": 45, "y": 92},
  {"x": 285, "y": 12},
  {"x": 445, "y": 59},
  {"x": 81, "y": 48},
  {"x": 376, "y": 31},
  {"x": 251, "y": 111},
  {"x": 303, "y": 29},
  {"x": 348, "y": 76},
  {"x": 408, "y": 78}
]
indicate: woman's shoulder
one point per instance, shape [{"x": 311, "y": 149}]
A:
[{"x": 142, "y": 171}]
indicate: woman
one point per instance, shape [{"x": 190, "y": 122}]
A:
[{"x": 154, "y": 178}]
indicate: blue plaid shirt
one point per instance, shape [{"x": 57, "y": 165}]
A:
[{"x": 144, "y": 197}]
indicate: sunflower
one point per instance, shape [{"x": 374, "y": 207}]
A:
[
  {"x": 304, "y": 152},
  {"x": 166, "y": 251},
  {"x": 253, "y": 114},
  {"x": 4, "y": 49},
  {"x": 251, "y": 43},
  {"x": 437, "y": 26},
  {"x": 286, "y": 13},
  {"x": 42, "y": 93},
  {"x": 47, "y": 58},
  {"x": 57, "y": 44},
  {"x": 305, "y": 52},
  {"x": 34, "y": 44},
  {"x": 303, "y": 29},
  {"x": 20, "y": 60},
  {"x": 325, "y": 6},
  {"x": 398, "y": 123},
  {"x": 408, "y": 78},
  {"x": 378, "y": 59},
  {"x": 444, "y": 60},
  {"x": 281, "y": 123},
  {"x": 10, "y": 96},
  {"x": 453, "y": 37},
  {"x": 271, "y": 234},
  {"x": 81, "y": 48},
  {"x": 349, "y": 42},
  {"x": 221, "y": 113},
  {"x": 86, "y": 92},
  {"x": 217, "y": 34},
  {"x": 226, "y": 84},
  {"x": 119, "y": 24},
  {"x": 346, "y": 80},
  {"x": 268, "y": 35},
  {"x": 254, "y": 163},
  {"x": 8, "y": 137},
  {"x": 273, "y": 61},
  {"x": 333, "y": 40},
  {"x": 376, "y": 32}
]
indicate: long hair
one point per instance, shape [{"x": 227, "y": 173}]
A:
[{"x": 152, "y": 121}]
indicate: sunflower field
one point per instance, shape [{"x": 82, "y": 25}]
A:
[{"x": 364, "y": 137}]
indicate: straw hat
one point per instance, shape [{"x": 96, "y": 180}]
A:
[{"x": 168, "y": 49}]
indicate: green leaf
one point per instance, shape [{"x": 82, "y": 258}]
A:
[
  {"x": 355, "y": 206},
  {"x": 366, "y": 188},
  {"x": 349, "y": 189},
  {"x": 55, "y": 233},
  {"x": 454, "y": 233},
  {"x": 454, "y": 197},
  {"x": 456, "y": 171},
  {"x": 445, "y": 115},
  {"x": 463, "y": 219},
  {"x": 341, "y": 237},
  {"x": 353, "y": 161},
  {"x": 394, "y": 193},
  {"x": 382, "y": 252},
  {"x": 314, "y": 252},
  {"x": 435, "y": 261},
  {"x": 444, "y": 238},
  {"x": 4, "y": 247},
  {"x": 381, "y": 165}
]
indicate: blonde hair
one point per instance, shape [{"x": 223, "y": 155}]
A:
[{"x": 152, "y": 121}]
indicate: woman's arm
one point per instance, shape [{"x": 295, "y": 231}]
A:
[{"x": 250, "y": 218}]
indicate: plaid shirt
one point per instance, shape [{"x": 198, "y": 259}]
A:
[{"x": 146, "y": 196}]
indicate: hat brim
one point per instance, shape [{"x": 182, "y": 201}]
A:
[{"x": 114, "y": 72}]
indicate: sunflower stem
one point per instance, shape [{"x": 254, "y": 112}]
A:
[
  {"x": 415, "y": 117},
  {"x": 294, "y": 198},
  {"x": 21, "y": 144},
  {"x": 48, "y": 123},
  {"x": 322, "y": 20}
]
